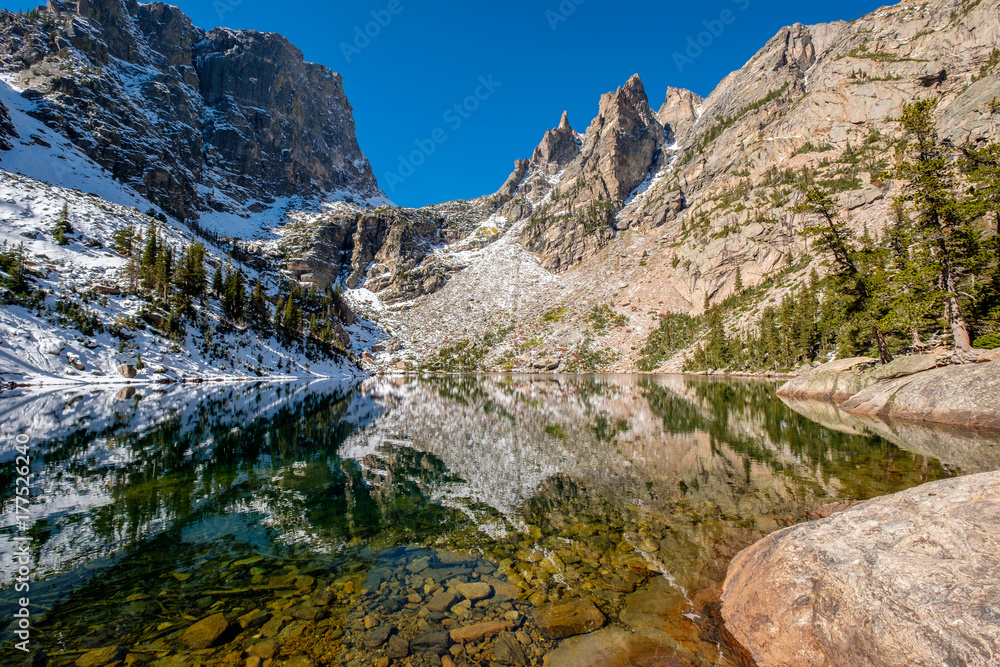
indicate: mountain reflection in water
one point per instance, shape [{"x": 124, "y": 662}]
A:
[{"x": 325, "y": 512}]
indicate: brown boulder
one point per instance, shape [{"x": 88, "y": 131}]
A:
[
  {"x": 127, "y": 371},
  {"x": 966, "y": 395},
  {"x": 567, "y": 618},
  {"x": 100, "y": 657},
  {"x": 206, "y": 632},
  {"x": 908, "y": 579},
  {"x": 484, "y": 630},
  {"x": 615, "y": 647},
  {"x": 836, "y": 381}
]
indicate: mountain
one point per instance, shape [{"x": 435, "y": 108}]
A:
[
  {"x": 225, "y": 121},
  {"x": 596, "y": 236},
  {"x": 122, "y": 122},
  {"x": 592, "y": 243}
]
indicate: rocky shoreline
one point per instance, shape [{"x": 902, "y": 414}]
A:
[
  {"x": 907, "y": 579},
  {"x": 916, "y": 388},
  {"x": 904, "y": 579}
]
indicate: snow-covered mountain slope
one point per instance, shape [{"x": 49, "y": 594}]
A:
[
  {"x": 43, "y": 344},
  {"x": 75, "y": 486},
  {"x": 228, "y": 123}
]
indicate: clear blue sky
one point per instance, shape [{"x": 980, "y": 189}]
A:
[{"x": 546, "y": 56}]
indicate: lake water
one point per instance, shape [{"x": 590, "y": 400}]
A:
[{"x": 459, "y": 520}]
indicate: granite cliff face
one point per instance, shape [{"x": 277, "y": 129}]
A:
[
  {"x": 195, "y": 121},
  {"x": 654, "y": 212},
  {"x": 591, "y": 239}
]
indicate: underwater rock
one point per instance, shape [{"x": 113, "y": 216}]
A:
[
  {"x": 569, "y": 617},
  {"x": 206, "y": 632},
  {"x": 100, "y": 657}
]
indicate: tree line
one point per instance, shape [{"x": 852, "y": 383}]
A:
[{"x": 177, "y": 279}]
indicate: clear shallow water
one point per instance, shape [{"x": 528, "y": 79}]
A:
[{"x": 332, "y": 524}]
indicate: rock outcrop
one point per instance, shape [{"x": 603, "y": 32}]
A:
[
  {"x": 196, "y": 121},
  {"x": 622, "y": 145},
  {"x": 968, "y": 395},
  {"x": 908, "y": 579},
  {"x": 836, "y": 381},
  {"x": 910, "y": 388},
  {"x": 7, "y": 130}
]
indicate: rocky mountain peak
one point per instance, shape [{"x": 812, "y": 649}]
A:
[
  {"x": 621, "y": 145},
  {"x": 557, "y": 149},
  {"x": 196, "y": 121},
  {"x": 564, "y": 122},
  {"x": 679, "y": 111}
]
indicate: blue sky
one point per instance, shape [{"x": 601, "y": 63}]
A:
[{"x": 512, "y": 66}]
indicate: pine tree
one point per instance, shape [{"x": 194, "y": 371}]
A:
[
  {"x": 852, "y": 274},
  {"x": 124, "y": 240},
  {"x": 190, "y": 277},
  {"x": 983, "y": 168},
  {"x": 150, "y": 256},
  {"x": 941, "y": 223},
  {"x": 62, "y": 226},
  {"x": 279, "y": 312},
  {"x": 258, "y": 312},
  {"x": 234, "y": 296},
  {"x": 218, "y": 283},
  {"x": 292, "y": 320},
  {"x": 738, "y": 287},
  {"x": 164, "y": 272}
]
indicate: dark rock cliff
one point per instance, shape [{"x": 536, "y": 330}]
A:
[{"x": 196, "y": 121}]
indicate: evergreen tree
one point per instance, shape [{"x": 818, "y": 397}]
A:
[
  {"x": 983, "y": 168},
  {"x": 291, "y": 320},
  {"x": 942, "y": 224},
  {"x": 124, "y": 240},
  {"x": 854, "y": 271},
  {"x": 279, "y": 312},
  {"x": 258, "y": 312},
  {"x": 234, "y": 297},
  {"x": 218, "y": 283},
  {"x": 163, "y": 272},
  {"x": 191, "y": 277},
  {"x": 62, "y": 226},
  {"x": 150, "y": 257},
  {"x": 16, "y": 281}
]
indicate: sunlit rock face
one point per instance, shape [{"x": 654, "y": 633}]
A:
[{"x": 865, "y": 586}]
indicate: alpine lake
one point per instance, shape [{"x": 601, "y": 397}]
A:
[{"x": 460, "y": 520}]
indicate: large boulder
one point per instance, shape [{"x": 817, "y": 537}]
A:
[
  {"x": 206, "y": 633},
  {"x": 908, "y": 579},
  {"x": 616, "y": 647},
  {"x": 836, "y": 381},
  {"x": 966, "y": 395}
]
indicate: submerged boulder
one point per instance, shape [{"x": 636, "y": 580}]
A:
[
  {"x": 908, "y": 579},
  {"x": 206, "y": 633}
]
